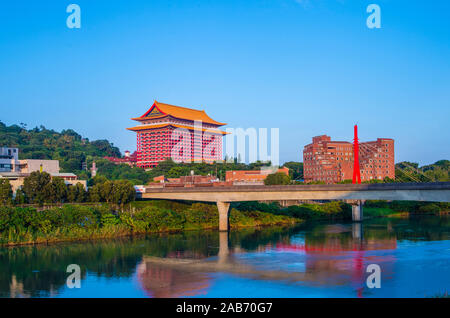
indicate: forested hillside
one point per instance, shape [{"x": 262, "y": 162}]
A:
[
  {"x": 411, "y": 172},
  {"x": 66, "y": 146}
]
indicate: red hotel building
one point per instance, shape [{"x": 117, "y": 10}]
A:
[
  {"x": 332, "y": 161},
  {"x": 183, "y": 134}
]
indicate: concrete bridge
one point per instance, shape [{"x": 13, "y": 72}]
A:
[{"x": 353, "y": 193}]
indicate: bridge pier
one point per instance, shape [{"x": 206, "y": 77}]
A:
[
  {"x": 224, "y": 251},
  {"x": 357, "y": 211},
  {"x": 357, "y": 231},
  {"x": 223, "y": 208}
]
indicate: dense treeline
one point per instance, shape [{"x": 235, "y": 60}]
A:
[
  {"x": 41, "y": 188},
  {"x": 414, "y": 207},
  {"x": 328, "y": 210},
  {"x": 170, "y": 169},
  {"x": 342, "y": 210},
  {"x": 75, "y": 222}
]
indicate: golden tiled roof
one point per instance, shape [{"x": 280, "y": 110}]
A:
[
  {"x": 178, "y": 112},
  {"x": 144, "y": 127}
]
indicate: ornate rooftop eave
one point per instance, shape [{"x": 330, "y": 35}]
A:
[
  {"x": 160, "y": 110},
  {"x": 149, "y": 127}
]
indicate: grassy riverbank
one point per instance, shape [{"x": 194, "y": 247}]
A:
[
  {"x": 28, "y": 225},
  {"x": 337, "y": 210},
  {"x": 379, "y": 208},
  {"x": 76, "y": 222}
]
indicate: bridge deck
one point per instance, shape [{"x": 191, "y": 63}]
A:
[
  {"x": 438, "y": 191},
  {"x": 312, "y": 187}
]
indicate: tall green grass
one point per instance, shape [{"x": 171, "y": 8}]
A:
[{"x": 75, "y": 222}]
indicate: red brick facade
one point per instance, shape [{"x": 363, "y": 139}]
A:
[
  {"x": 250, "y": 175},
  {"x": 332, "y": 161},
  {"x": 183, "y": 134}
]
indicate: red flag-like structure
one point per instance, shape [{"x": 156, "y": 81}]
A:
[{"x": 356, "y": 171}]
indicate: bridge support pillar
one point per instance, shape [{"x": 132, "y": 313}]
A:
[
  {"x": 357, "y": 231},
  {"x": 357, "y": 211},
  {"x": 223, "y": 247},
  {"x": 223, "y": 208}
]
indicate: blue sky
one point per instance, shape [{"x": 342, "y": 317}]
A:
[{"x": 308, "y": 67}]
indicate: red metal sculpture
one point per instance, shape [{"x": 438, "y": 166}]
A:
[{"x": 356, "y": 171}]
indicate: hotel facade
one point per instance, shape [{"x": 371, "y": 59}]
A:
[
  {"x": 332, "y": 161},
  {"x": 180, "y": 133}
]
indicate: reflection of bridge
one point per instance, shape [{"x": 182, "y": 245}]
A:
[
  {"x": 437, "y": 192},
  {"x": 324, "y": 263},
  {"x": 174, "y": 277}
]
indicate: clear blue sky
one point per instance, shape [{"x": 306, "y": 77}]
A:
[{"x": 309, "y": 67}]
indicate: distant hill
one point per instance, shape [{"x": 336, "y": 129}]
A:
[
  {"x": 67, "y": 146},
  {"x": 411, "y": 172}
]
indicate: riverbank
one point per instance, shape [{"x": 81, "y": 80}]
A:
[
  {"x": 21, "y": 226},
  {"x": 379, "y": 208},
  {"x": 80, "y": 222},
  {"x": 338, "y": 210}
]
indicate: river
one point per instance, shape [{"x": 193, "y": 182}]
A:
[{"x": 314, "y": 259}]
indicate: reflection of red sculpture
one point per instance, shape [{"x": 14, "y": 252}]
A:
[
  {"x": 164, "y": 282},
  {"x": 331, "y": 246},
  {"x": 334, "y": 268}
]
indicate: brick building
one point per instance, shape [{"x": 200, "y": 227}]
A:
[
  {"x": 129, "y": 159},
  {"x": 332, "y": 161},
  {"x": 251, "y": 176},
  {"x": 183, "y": 134}
]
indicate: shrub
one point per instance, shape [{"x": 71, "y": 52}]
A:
[
  {"x": 377, "y": 204},
  {"x": 277, "y": 178},
  {"x": 5, "y": 191},
  {"x": 430, "y": 208}
]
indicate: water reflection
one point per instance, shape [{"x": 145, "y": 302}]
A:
[{"x": 187, "y": 264}]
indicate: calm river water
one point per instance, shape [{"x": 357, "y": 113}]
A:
[{"x": 309, "y": 260}]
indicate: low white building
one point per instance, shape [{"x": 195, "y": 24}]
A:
[
  {"x": 9, "y": 159},
  {"x": 16, "y": 170}
]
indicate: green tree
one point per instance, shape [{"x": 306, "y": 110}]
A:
[
  {"x": 123, "y": 192},
  {"x": 118, "y": 192},
  {"x": 56, "y": 190},
  {"x": 278, "y": 178},
  {"x": 5, "y": 191},
  {"x": 295, "y": 169},
  {"x": 20, "y": 197},
  {"x": 98, "y": 179},
  {"x": 34, "y": 186},
  {"x": 77, "y": 193},
  {"x": 106, "y": 191},
  {"x": 94, "y": 193}
]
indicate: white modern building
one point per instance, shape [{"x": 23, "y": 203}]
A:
[
  {"x": 9, "y": 159},
  {"x": 16, "y": 170}
]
